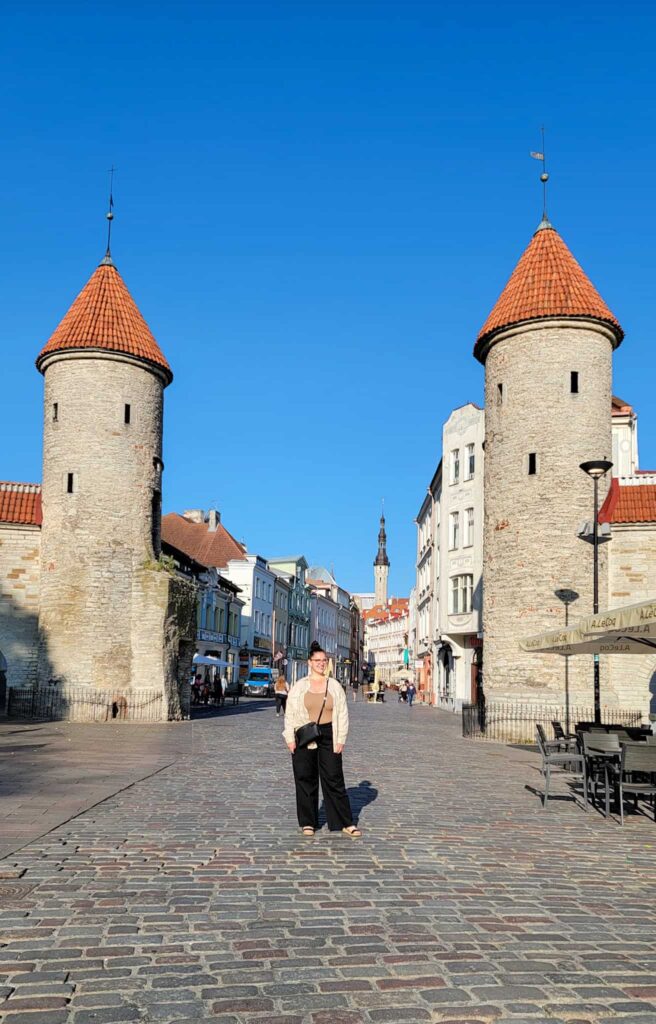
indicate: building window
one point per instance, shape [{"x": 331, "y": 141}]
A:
[
  {"x": 461, "y": 594},
  {"x": 55, "y": 412},
  {"x": 257, "y": 621},
  {"x": 469, "y": 528},
  {"x": 574, "y": 382},
  {"x": 532, "y": 463},
  {"x": 126, "y": 414},
  {"x": 455, "y": 466},
  {"x": 470, "y": 462},
  {"x": 454, "y": 530},
  {"x": 71, "y": 483},
  {"x": 499, "y": 394}
]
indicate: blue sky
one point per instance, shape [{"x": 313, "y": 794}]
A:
[{"x": 317, "y": 204}]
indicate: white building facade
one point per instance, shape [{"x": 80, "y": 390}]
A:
[
  {"x": 459, "y": 568},
  {"x": 386, "y": 638},
  {"x": 256, "y": 583}
]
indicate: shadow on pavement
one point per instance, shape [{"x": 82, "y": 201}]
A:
[
  {"x": 361, "y": 795},
  {"x": 246, "y": 706}
]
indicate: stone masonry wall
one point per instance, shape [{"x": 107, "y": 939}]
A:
[
  {"x": 19, "y": 601},
  {"x": 531, "y": 547},
  {"x": 95, "y": 539},
  {"x": 632, "y": 579}
]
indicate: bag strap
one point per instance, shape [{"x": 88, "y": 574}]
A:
[{"x": 325, "y": 698}]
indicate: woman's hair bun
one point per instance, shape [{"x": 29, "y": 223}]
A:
[{"x": 315, "y": 646}]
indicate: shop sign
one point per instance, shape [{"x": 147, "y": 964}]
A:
[{"x": 262, "y": 642}]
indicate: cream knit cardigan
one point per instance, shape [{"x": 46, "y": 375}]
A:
[{"x": 296, "y": 713}]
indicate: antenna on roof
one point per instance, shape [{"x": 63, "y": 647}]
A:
[
  {"x": 544, "y": 178},
  {"x": 110, "y": 217}
]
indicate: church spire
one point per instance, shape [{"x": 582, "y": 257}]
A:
[
  {"x": 381, "y": 557},
  {"x": 381, "y": 565}
]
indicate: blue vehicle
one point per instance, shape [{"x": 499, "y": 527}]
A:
[{"x": 260, "y": 682}]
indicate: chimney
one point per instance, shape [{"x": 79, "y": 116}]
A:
[
  {"x": 213, "y": 520},
  {"x": 194, "y": 515}
]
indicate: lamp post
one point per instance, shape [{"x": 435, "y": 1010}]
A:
[
  {"x": 567, "y": 596},
  {"x": 596, "y": 469}
]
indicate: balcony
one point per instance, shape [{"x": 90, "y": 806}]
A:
[{"x": 210, "y": 636}]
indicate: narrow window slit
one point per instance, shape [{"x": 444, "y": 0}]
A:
[
  {"x": 70, "y": 483},
  {"x": 532, "y": 463},
  {"x": 574, "y": 382},
  {"x": 55, "y": 412},
  {"x": 499, "y": 394},
  {"x": 126, "y": 414}
]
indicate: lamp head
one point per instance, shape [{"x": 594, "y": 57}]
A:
[
  {"x": 566, "y": 595},
  {"x": 596, "y": 468}
]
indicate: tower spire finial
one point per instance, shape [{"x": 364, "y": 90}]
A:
[
  {"x": 544, "y": 178},
  {"x": 110, "y": 217}
]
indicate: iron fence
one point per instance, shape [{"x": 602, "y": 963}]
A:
[
  {"x": 85, "y": 704},
  {"x": 508, "y": 722}
]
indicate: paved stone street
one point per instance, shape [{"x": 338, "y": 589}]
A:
[{"x": 190, "y": 896}]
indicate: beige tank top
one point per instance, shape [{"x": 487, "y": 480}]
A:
[{"x": 313, "y": 702}]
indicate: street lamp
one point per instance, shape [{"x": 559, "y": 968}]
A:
[
  {"x": 567, "y": 596},
  {"x": 596, "y": 469}
]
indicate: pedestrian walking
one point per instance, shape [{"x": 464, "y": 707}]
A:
[
  {"x": 316, "y": 727},
  {"x": 223, "y": 686},
  {"x": 411, "y": 691},
  {"x": 403, "y": 691},
  {"x": 354, "y": 689},
  {"x": 281, "y": 689}
]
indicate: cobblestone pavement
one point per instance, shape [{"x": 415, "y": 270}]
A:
[
  {"x": 192, "y": 897},
  {"x": 52, "y": 771}
]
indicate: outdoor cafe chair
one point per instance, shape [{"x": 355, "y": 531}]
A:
[
  {"x": 553, "y": 758},
  {"x": 602, "y": 752},
  {"x": 638, "y": 759},
  {"x": 564, "y": 739}
]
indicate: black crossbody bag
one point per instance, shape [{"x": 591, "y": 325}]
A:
[{"x": 310, "y": 733}]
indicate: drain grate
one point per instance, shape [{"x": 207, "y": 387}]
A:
[{"x": 11, "y": 891}]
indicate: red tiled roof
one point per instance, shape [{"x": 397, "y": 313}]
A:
[
  {"x": 105, "y": 316},
  {"x": 209, "y": 547},
  {"x": 629, "y": 503},
  {"x": 20, "y": 503},
  {"x": 618, "y": 407},
  {"x": 547, "y": 282},
  {"x": 395, "y": 610}
]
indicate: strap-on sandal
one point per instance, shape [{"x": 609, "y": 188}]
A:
[
  {"x": 307, "y": 830},
  {"x": 352, "y": 831}
]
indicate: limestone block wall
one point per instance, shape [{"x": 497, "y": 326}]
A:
[
  {"x": 101, "y": 480},
  {"x": 632, "y": 578},
  {"x": 19, "y": 601},
  {"x": 531, "y": 546}
]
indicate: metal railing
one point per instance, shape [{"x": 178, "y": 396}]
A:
[
  {"x": 85, "y": 704},
  {"x": 508, "y": 722}
]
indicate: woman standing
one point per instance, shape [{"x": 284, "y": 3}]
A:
[
  {"x": 281, "y": 691},
  {"x": 317, "y": 698}
]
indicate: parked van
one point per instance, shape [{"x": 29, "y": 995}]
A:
[{"x": 259, "y": 683}]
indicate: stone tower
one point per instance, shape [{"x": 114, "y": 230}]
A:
[
  {"x": 547, "y": 350},
  {"x": 102, "y": 607},
  {"x": 381, "y": 566}
]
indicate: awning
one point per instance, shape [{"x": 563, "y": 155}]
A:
[
  {"x": 207, "y": 659},
  {"x": 627, "y": 630}
]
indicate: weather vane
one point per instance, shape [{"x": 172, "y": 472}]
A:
[
  {"x": 544, "y": 177},
  {"x": 110, "y": 214}
]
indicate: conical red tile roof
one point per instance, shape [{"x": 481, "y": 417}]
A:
[
  {"x": 105, "y": 316},
  {"x": 547, "y": 282}
]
